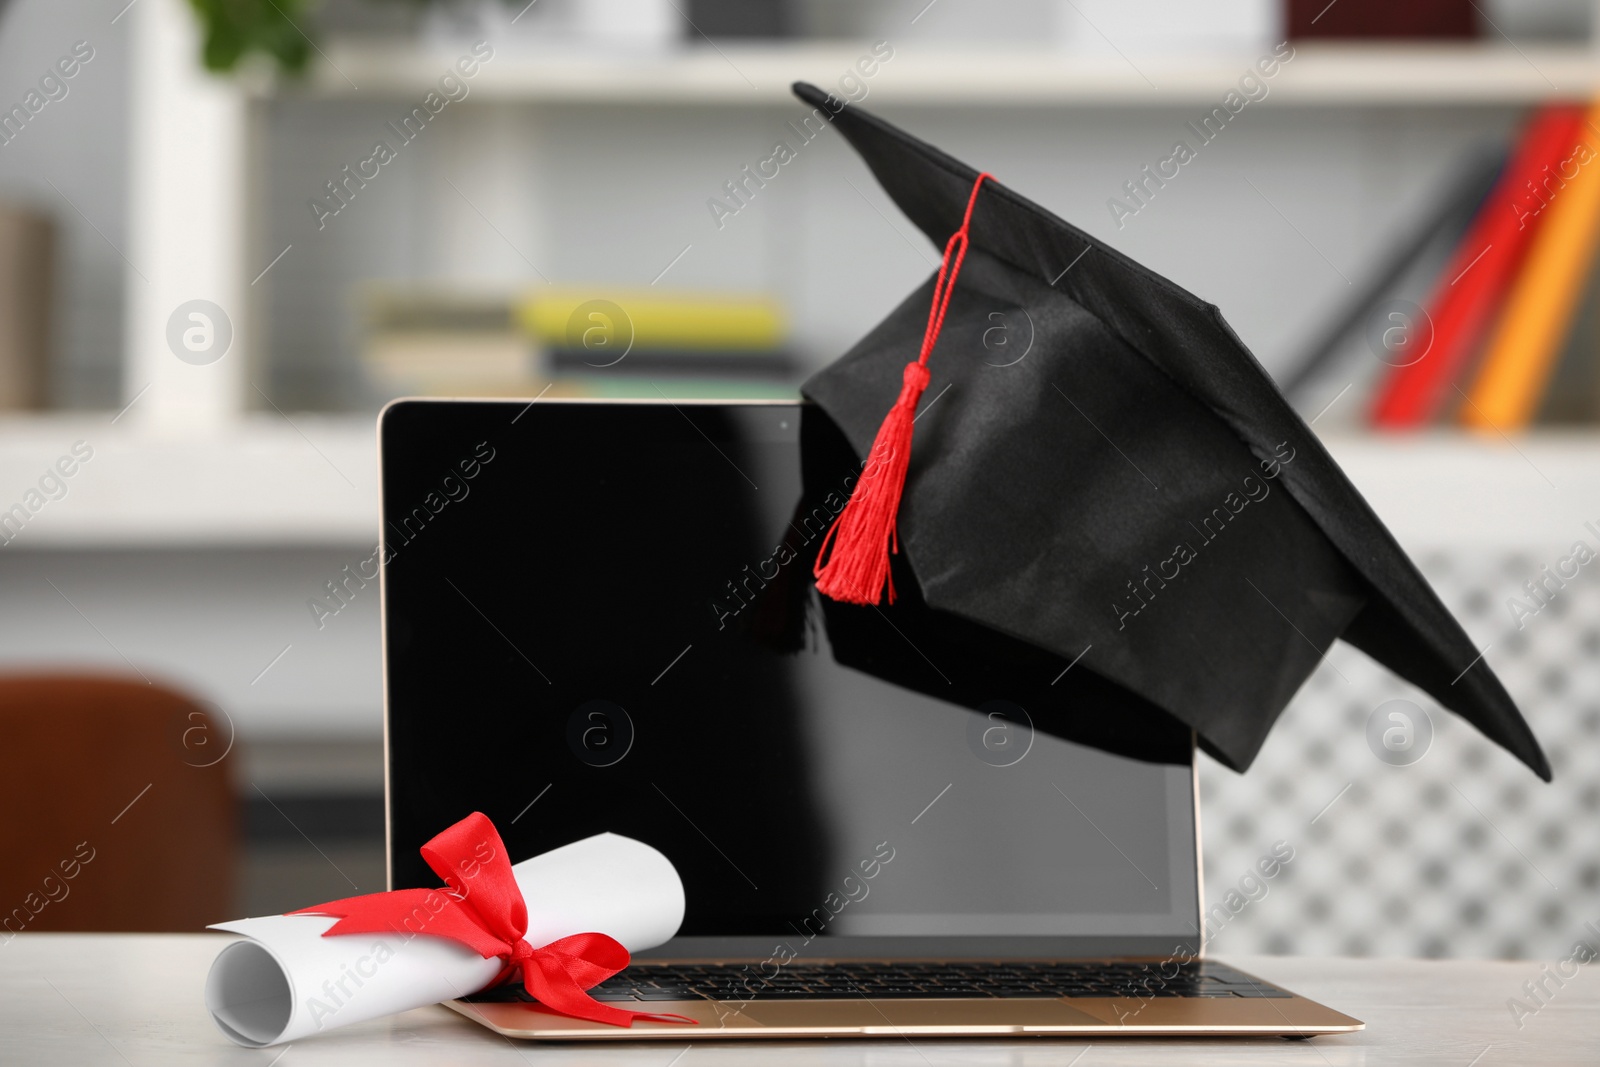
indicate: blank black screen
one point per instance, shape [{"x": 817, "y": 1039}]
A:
[{"x": 599, "y": 616}]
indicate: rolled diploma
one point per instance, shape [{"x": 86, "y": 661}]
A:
[{"x": 287, "y": 981}]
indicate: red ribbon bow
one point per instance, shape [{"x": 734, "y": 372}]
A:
[{"x": 483, "y": 909}]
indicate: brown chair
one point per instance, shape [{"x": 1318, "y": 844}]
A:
[{"x": 116, "y": 806}]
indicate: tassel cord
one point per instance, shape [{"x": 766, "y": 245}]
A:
[{"x": 853, "y": 562}]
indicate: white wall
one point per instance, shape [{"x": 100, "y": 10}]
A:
[{"x": 209, "y": 622}]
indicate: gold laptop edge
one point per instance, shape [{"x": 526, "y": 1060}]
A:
[{"x": 1290, "y": 1016}]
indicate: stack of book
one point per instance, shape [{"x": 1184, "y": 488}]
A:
[
  {"x": 625, "y": 343},
  {"x": 434, "y": 342},
  {"x": 1505, "y": 310},
  {"x": 575, "y": 342},
  {"x": 1509, "y": 333}
]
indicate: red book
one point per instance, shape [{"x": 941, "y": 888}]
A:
[
  {"x": 1475, "y": 280},
  {"x": 1382, "y": 18}
]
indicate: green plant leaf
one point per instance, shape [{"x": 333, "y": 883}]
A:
[{"x": 235, "y": 28}]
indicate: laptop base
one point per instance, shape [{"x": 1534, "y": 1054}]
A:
[{"x": 1285, "y": 1015}]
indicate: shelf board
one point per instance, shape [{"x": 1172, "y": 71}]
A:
[
  {"x": 264, "y": 481},
  {"x": 267, "y": 482},
  {"x": 1457, "y": 490},
  {"x": 738, "y": 75}
]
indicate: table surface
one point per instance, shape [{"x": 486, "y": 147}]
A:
[{"x": 71, "y": 999}]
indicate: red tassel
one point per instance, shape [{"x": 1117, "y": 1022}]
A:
[{"x": 856, "y": 570}]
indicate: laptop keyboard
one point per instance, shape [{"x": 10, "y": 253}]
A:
[{"x": 918, "y": 981}]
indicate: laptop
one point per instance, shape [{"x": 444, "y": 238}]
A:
[{"x": 598, "y": 617}]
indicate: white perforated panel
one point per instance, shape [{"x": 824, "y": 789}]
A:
[{"x": 1461, "y": 853}]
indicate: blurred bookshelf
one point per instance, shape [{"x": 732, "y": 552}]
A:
[
  {"x": 288, "y": 477},
  {"x": 546, "y": 93},
  {"x": 523, "y": 125}
]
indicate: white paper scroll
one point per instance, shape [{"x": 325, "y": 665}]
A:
[{"x": 287, "y": 981}]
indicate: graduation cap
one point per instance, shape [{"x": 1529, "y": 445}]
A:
[{"x": 1121, "y": 485}]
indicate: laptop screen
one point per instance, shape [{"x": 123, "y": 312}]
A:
[{"x": 598, "y": 617}]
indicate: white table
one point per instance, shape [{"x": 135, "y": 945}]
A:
[{"x": 68, "y": 999}]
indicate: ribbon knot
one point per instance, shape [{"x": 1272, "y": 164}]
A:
[
  {"x": 915, "y": 378},
  {"x": 483, "y": 909}
]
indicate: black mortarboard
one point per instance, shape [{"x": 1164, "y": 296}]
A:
[{"x": 1133, "y": 489}]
